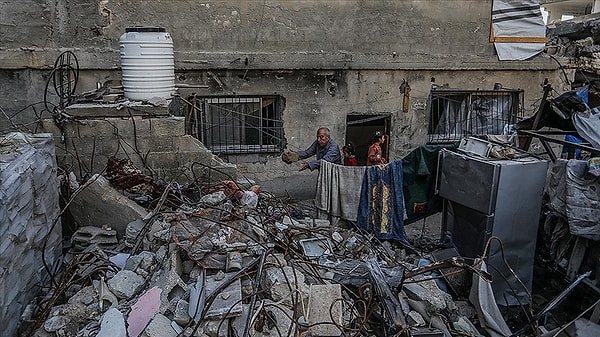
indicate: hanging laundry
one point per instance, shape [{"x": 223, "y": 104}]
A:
[{"x": 381, "y": 207}]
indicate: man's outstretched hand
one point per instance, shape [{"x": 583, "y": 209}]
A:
[{"x": 304, "y": 166}]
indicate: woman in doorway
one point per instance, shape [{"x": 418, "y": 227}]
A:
[
  {"x": 375, "y": 154},
  {"x": 349, "y": 156}
]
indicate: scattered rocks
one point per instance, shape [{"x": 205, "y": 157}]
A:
[
  {"x": 172, "y": 277},
  {"x": 125, "y": 284}
]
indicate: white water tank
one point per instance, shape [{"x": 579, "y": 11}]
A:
[{"x": 147, "y": 63}]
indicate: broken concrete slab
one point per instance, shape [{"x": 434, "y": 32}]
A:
[
  {"x": 180, "y": 314},
  {"x": 325, "y": 309},
  {"x": 216, "y": 328},
  {"x": 98, "y": 204},
  {"x": 30, "y": 218},
  {"x": 125, "y": 284},
  {"x": 228, "y": 302},
  {"x": 132, "y": 232},
  {"x": 113, "y": 324},
  {"x": 429, "y": 292},
  {"x": 144, "y": 260},
  {"x": 286, "y": 284},
  {"x": 160, "y": 326}
]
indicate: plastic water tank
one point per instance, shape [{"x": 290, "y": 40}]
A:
[{"x": 147, "y": 63}]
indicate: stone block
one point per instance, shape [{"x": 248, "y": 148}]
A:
[
  {"x": 286, "y": 284},
  {"x": 216, "y": 328},
  {"x": 187, "y": 158},
  {"x": 429, "y": 292},
  {"x": 180, "y": 314},
  {"x": 108, "y": 146},
  {"x": 144, "y": 260},
  {"x": 325, "y": 309},
  {"x": 284, "y": 326}
]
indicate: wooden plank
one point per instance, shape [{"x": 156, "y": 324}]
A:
[
  {"x": 515, "y": 39},
  {"x": 519, "y": 39}
]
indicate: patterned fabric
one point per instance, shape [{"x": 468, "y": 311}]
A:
[{"x": 381, "y": 206}]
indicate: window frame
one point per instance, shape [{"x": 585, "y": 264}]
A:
[
  {"x": 468, "y": 112},
  {"x": 233, "y": 133}
]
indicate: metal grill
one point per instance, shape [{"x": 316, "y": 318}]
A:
[
  {"x": 232, "y": 125},
  {"x": 454, "y": 114}
]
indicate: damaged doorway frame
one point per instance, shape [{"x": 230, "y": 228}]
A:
[{"x": 360, "y": 128}]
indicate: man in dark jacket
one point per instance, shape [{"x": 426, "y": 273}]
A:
[{"x": 324, "y": 148}]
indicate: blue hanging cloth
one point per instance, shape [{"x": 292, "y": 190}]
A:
[{"x": 381, "y": 206}]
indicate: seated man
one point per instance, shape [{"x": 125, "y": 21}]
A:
[{"x": 324, "y": 148}]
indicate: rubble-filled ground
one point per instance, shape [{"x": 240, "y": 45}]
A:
[{"x": 229, "y": 260}]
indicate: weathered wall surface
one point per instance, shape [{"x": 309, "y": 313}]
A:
[
  {"x": 310, "y": 34},
  {"x": 158, "y": 146},
  {"x": 28, "y": 211},
  {"x": 283, "y": 47}
]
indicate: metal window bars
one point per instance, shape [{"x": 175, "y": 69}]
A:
[
  {"x": 456, "y": 114},
  {"x": 237, "y": 125}
]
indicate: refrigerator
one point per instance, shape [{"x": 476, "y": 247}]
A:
[{"x": 484, "y": 198}]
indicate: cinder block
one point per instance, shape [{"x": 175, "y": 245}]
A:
[
  {"x": 127, "y": 127},
  {"x": 107, "y": 146},
  {"x": 94, "y": 127},
  {"x": 155, "y": 144},
  {"x": 187, "y": 158},
  {"x": 83, "y": 146},
  {"x": 167, "y": 160},
  {"x": 172, "y": 126},
  {"x": 188, "y": 143}
]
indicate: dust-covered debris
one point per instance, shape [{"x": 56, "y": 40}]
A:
[{"x": 205, "y": 262}]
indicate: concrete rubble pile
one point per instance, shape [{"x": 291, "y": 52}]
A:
[
  {"x": 220, "y": 261},
  {"x": 579, "y": 40}
]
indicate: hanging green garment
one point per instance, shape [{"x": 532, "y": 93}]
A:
[{"x": 419, "y": 169}]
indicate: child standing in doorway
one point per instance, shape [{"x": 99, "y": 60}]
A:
[{"x": 349, "y": 156}]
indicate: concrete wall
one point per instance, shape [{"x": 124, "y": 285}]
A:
[
  {"x": 157, "y": 146},
  {"x": 283, "y": 47},
  {"x": 29, "y": 235}
]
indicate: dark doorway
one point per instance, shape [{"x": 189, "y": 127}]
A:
[{"x": 360, "y": 129}]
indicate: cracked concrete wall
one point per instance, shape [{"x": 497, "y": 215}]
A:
[
  {"x": 309, "y": 106},
  {"x": 282, "y": 47}
]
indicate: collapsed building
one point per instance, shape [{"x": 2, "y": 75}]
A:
[{"x": 160, "y": 243}]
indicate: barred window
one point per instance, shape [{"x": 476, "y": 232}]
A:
[
  {"x": 230, "y": 125},
  {"x": 455, "y": 114}
]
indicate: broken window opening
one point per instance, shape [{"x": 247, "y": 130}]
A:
[
  {"x": 456, "y": 114},
  {"x": 235, "y": 125}
]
